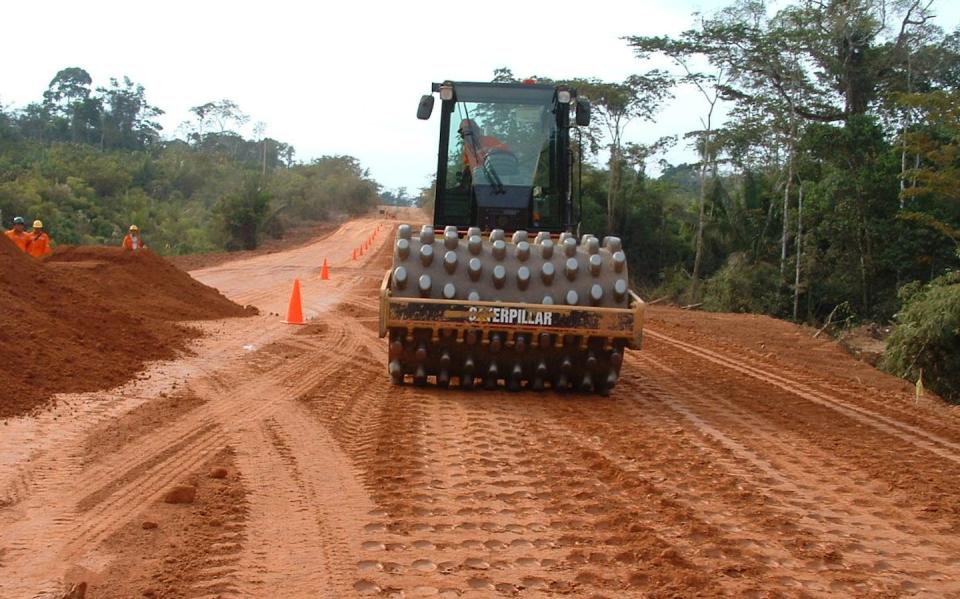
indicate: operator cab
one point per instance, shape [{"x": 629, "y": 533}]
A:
[{"x": 504, "y": 159}]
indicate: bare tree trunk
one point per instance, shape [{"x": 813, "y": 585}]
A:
[
  {"x": 766, "y": 227},
  {"x": 791, "y": 143},
  {"x": 264, "y": 172},
  {"x": 705, "y": 154},
  {"x": 903, "y": 170},
  {"x": 863, "y": 249},
  {"x": 903, "y": 152},
  {"x": 611, "y": 191},
  {"x": 613, "y": 184},
  {"x": 786, "y": 213},
  {"x": 796, "y": 276},
  {"x": 698, "y": 256}
]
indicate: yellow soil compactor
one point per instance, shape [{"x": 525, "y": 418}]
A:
[{"x": 500, "y": 289}]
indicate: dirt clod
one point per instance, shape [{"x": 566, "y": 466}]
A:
[
  {"x": 181, "y": 494},
  {"x": 218, "y": 473},
  {"x": 148, "y": 525}
]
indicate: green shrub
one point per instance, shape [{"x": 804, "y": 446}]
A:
[
  {"x": 242, "y": 216},
  {"x": 674, "y": 285},
  {"x": 927, "y": 336},
  {"x": 742, "y": 286}
]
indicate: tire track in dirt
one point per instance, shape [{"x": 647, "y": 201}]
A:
[
  {"x": 908, "y": 472},
  {"x": 33, "y": 450},
  {"x": 907, "y": 432},
  {"x": 187, "y": 550},
  {"x": 293, "y": 543},
  {"x": 70, "y": 531},
  {"x": 238, "y": 392},
  {"x": 792, "y": 355},
  {"x": 219, "y": 574},
  {"x": 798, "y": 448},
  {"x": 412, "y": 538},
  {"x": 455, "y": 516},
  {"x": 660, "y": 542},
  {"x": 252, "y": 458},
  {"x": 472, "y": 502},
  {"x": 831, "y": 543}
]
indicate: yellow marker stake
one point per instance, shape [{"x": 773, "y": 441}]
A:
[{"x": 920, "y": 385}]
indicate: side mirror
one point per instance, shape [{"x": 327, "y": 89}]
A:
[
  {"x": 583, "y": 112},
  {"x": 426, "y": 107}
]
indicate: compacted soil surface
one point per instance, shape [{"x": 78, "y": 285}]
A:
[{"x": 737, "y": 457}]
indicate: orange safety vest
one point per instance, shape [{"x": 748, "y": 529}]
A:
[
  {"x": 39, "y": 245},
  {"x": 128, "y": 243},
  {"x": 20, "y": 238},
  {"x": 474, "y": 157}
]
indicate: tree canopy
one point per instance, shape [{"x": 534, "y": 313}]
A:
[{"x": 91, "y": 161}]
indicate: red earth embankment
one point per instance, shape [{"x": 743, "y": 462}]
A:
[{"x": 88, "y": 318}]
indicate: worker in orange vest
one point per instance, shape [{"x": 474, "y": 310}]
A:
[
  {"x": 18, "y": 234},
  {"x": 477, "y": 146},
  {"x": 39, "y": 241},
  {"x": 133, "y": 241}
]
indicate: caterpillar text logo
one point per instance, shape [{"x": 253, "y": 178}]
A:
[{"x": 510, "y": 316}]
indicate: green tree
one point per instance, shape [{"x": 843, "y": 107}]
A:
[
  {"x": 615, "y": 105},
  {"x": 936, "y": 144},
  {"x": 73, "y": 114},
  {"x": 187, "y": 198},
  {"x": 242, "y": 215},
  {"x": 687, "y": 51},
  {"x": 129, "y": 121}
]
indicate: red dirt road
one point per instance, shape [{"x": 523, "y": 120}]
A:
[{"x": 736, "y": 457}]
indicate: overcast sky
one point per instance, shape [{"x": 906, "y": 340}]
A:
[{"x": 345, "y": 77}]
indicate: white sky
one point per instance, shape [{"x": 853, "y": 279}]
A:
[{"x": 345, "y": 77}]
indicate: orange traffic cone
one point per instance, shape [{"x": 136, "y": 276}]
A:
[
  {"x": 324, "y": 271},
  {"x": 295, "y": 311}
]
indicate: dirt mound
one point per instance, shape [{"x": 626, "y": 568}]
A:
[
  {"x": 89, "y": 318},
  {"x": 141, "y": 279}
]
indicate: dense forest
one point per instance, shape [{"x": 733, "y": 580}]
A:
[{"x": 89, "y": 162}]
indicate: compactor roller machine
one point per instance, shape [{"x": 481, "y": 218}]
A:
[{"x": 501, "y": 288}]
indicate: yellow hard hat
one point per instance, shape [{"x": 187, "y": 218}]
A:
[
  {"x": 37, "y": 224},
  {"x": 134, "y": 228}
]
